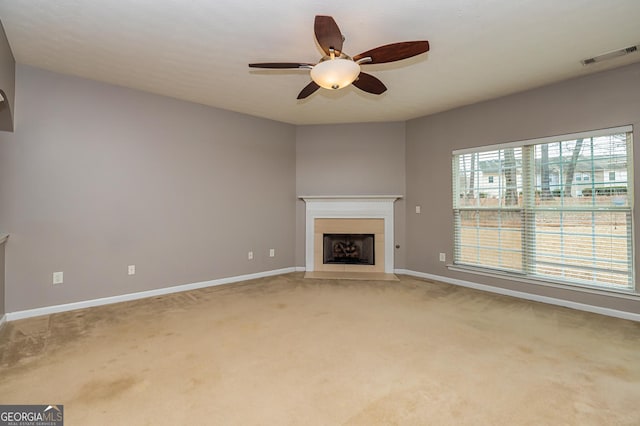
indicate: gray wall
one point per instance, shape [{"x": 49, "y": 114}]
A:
[
  {"x": 2, "y": 308},
  {"x": 7, "y": 82},
  {"x": 598, "y": 101},
  {"x": 97, "y": 177},
  {"x": 351, "y": 159}
]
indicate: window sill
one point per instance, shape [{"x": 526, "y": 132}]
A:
[{"x": 630, "y": 294}]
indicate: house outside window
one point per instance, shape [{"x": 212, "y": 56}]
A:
[
  {"x": 539, "y": 221},
  {"x": 612, "y": 176}
]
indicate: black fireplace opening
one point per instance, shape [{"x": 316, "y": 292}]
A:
[{"x": 351, "y": 249}]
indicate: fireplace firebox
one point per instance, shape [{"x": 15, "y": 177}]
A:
[{"x": 350, "y": 249}]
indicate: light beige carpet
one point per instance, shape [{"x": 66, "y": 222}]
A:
[{"x": 292, "y": 351}]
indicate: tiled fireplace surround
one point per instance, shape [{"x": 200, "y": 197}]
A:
[{"x": 370, "y": 214}]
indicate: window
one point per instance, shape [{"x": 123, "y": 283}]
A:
[
  {"x": 539, "y": 221},
  {"x": 490, "y": 179},
  {"x": 612, "y": 176}
]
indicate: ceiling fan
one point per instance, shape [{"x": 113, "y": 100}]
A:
[{"x": 336, "y": 70}]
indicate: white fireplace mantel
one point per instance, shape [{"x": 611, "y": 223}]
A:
[{"x": 350, "y": 206}]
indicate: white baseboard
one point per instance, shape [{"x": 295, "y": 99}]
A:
[
  {"x": 522, "y": 295},
  {"x": 29, "y": 313},
  {"x": 301, "y": 269}
]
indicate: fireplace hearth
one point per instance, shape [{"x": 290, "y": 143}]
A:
[{"x": 349, "y": 249}]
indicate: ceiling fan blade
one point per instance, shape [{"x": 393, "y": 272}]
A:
[
  {"x": 394, "y": 52},
  {"x": 369, "y": 84},
  {"x": 308, "y": 90},
  {"x": 280, "y": 65},
  {"x": 328, "y": 34}
]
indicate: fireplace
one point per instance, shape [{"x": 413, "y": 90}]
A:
[
  {"x": 367, "y": 215},
  {"x": 349, "y": 249}
]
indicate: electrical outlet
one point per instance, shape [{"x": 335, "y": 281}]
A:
[
  {"x": 250, "y": 255},
  {"x": 417, "y": 209},
  {"x": 58, "y": 277},
  {"x": 272, "y": 252},
  {"x": 443, "y": 257},
  {"x": 131, "y": 269}
]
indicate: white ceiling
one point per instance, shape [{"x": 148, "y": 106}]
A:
[{"x": 198, "y": 50}]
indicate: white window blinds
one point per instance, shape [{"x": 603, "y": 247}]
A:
[{"x": 560, "y": 210}]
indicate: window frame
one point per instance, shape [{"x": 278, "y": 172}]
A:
[{"x": 527, "y": 255}]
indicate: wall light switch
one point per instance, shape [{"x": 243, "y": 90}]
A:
[
  {"x": 443, "y": 257},
  {"x": 131, "y": 269},
  {"x": 58, "y": 277},
  {"x": 250, "y": 255},
  {"x": 417, "y": 209},
  {"x": 272, "y": 252}
]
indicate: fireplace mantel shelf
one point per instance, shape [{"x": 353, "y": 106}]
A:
[{"x": 349, "y": 197}]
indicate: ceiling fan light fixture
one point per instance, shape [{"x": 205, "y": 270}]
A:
[{"x": 335, "y": 73}]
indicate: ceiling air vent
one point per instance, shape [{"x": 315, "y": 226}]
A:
[{"x": 610, "y": 55}]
